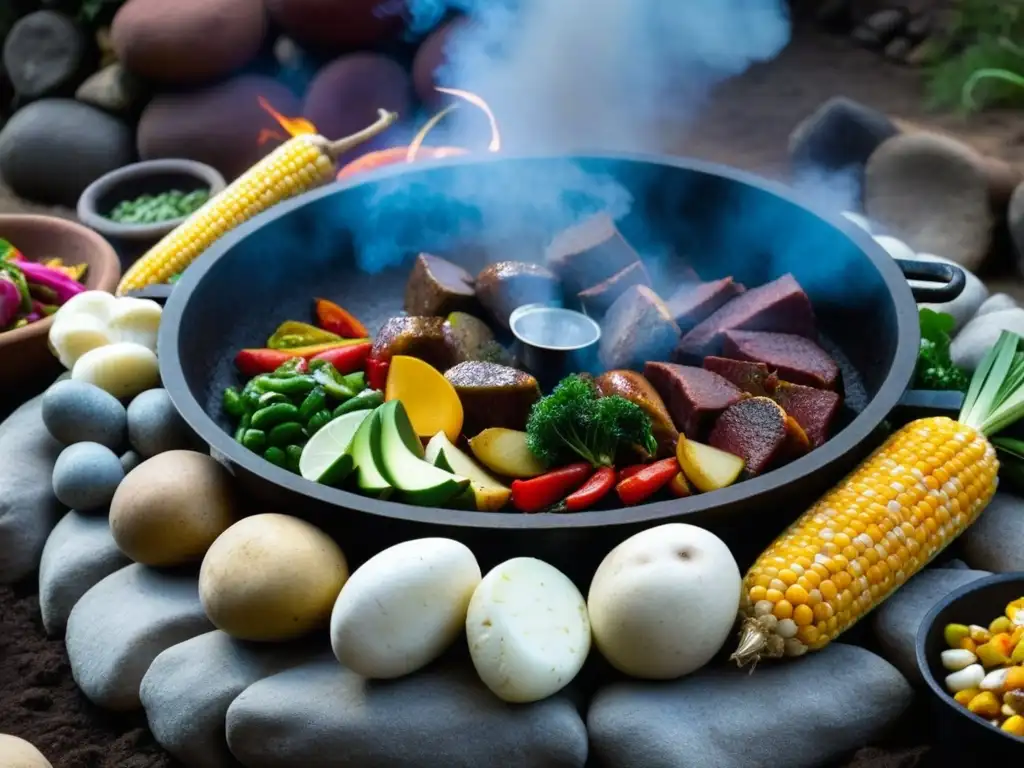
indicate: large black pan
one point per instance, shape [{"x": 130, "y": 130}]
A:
[{"x": 354, "y": 243}]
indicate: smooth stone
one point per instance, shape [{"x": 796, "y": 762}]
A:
[
  {"x": 46, "y": 53},
  {"x": 79, "y": 412},
  {"x": 112, "y": 89},
  {"x": 332, "y": 26},
  {"x": 1015, "y": 220},
  {"x": 839, "y": 135},
  {"x": 28, "y": 507},
  {"x": 955, "y": 565},
  {"x": 51, "y": 150},
  {"x": 79, "y": 554},
  {"x": 441, "y": 717},
  {"x": 997, "y": 302},
  {"x": 130, "y": 460},
  {"x": 980, "y": 334},
  {"x": 897, "y": 620},
  {"x": 964, "y": 306},
  {"x": 842, "y": 696},
  {"x": 933, "y": 193},
  {"x": 124, "y": 622},
  {"x": 895, "y": 247},
  {"x": 155, "y": 426},
  {"x": 86, "y": 476},
  {"x": 189, "y": 687},
  {"x": 996, "y": 539}
]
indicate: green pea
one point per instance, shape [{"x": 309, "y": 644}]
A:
[
  {"x": 255, "y": 440},
  {"x": 272, "y": 415},
  {"x": 285, "y": 434},
  {"x": 243, "y": 425},
  {"x": 276, "y": 455},
  {"x": 318, "y": 421},
  {"x": 294, "y": 454},
  {"x": 362, "y": 402},
  {"x": 233, "y": 403},
  {"x": 315, "y": 401}
]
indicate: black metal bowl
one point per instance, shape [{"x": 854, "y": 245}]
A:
[
  {"x": 979, "y": 602},
  {"x": 354, "y": 242}
]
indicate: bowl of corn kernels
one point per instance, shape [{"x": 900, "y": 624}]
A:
[{"x": 970, "y": 650}]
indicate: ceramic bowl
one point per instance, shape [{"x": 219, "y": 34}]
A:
[
  {"x": 26, "y": 362},
  {"x": 151, "y": 177}
]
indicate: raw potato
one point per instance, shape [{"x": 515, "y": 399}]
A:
[
  {"x": 123, "y": 369},
  {"x": 402, "y": 608},
  {"x": 18, "y": 753},
  {"x": 271, "y": 577},
  {"x": 72, "y": 337},
  {"x": 504, "y": 451},
  {"x": 708, "y": 468},
  {"x": 664, "y": 601},
  {"x": 171, "y": 508},
  {"x": 528, "y": 630},
  {"x": 136, "y": 320}
]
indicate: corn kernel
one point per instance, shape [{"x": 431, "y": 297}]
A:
[
  {"x": 991, "y": 655},
  {"x": 979, "y": 634},
  {"x": 969, "y": 645},
  {"x": 1014, "y": 679},
  {"x": 1014, "y": 725},
  {"x": 1014, "y": 608},
  {"x": 955, "y": 634},
  {"x": 1002, "y": 624},
  {"x": 1017, "y": 657},
  {"x": 985, "y": 704},
  {"x": 965, "y": 696}
]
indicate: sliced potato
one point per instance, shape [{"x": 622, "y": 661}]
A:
[
  {"x": 488, "y": 495},
  {"x": 708, "y": 468},
  {"x": 123, "y": 369},
  {"x": 504, "y": 451}
]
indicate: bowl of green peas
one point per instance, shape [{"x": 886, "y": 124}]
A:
[{"x": 135, "y": 206}]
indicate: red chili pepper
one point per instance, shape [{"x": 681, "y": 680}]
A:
[
  {"x": 333, "y": 318},
  {"x": 347, "y": 359},
  {"x": 647, "y": 481},
  {"x": 377, "y": 373},
  {"x": 592, "y": 491},
  {"x": 253, "y": 362},
  {"x": 535, "y": 494},
  {"x": 631, "y": 470}
]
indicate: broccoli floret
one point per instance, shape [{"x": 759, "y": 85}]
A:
[{"x": 575, "y": 422}]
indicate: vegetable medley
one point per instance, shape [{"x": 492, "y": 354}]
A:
[
  {"x": 29, "y": 291},
  {"x": 153, "y": 209}
]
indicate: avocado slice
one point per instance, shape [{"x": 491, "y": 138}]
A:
[
  {"x": 488, "y": 495},
  {"x": 398, "y": 454},
  {"x": 369, "y": 479}
]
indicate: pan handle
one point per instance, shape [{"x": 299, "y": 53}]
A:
[{"x": 933, "y": 272}]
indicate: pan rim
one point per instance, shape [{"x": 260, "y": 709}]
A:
[{"x": 892, "y": 388}]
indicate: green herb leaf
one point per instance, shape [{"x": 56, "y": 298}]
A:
[{"x": 935, "y": 368}]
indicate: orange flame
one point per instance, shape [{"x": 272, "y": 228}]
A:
[{"x": 295, "y": 126}]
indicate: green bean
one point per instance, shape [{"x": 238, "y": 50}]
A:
[
  {"x": 318, "y": 421},
  {"x": 289, "y": 368},
  {"x": 255, "y": 440},
  {"x": 243, "y": 425},
  {"x": 332, "y": 383},
  {"x": 355, "y": 381},
  {"x": 364, "y": 401},
  {"x": 272, "y": 415},
  {"x": 293, "y": 386},
  {"x": 315, "y": 401},
  {"x": 269, "y": 398},
  {"x": 293, "y": 453},
  {"x": 285, "y": 434},
  {"x": 276, "y": 455},
  {"x": 233, "y": 403}
]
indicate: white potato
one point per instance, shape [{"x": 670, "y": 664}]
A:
[
  {"x": 123, "y": 369},
  {"x": 71, "y": 336},
  {"x": 528, "y": 630},
  {"x": 402, "y": 608},
  {"x": 137, "y": 320},
  {"x": 96, "y": 304},
  {"x": 663, "y": 602}
]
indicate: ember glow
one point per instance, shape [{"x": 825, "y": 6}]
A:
[{"x": 294, "y": 126}]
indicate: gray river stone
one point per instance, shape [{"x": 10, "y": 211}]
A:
[
  {"x": 995, "y": 541},
  {"x": 189, "y": 687},
  {"x": 79, "y": 554},
  {"x": 79, "y": 412},
  {"x": 321, "y": 714},
  {"x": 897, "y": 621},
  {"x": 997, "y": 302},
  {"x": 723, "y": 717},
  {"x": 86, "y": 476},
  {"x": 155, "y": 426},
  {"x": 981, "y": 333},
  {"x": 964, "y": 306},
  {"x": 28, "y": 508},
  {"x": 45, "y": 53},
  {"x": 123, "y": 623}
]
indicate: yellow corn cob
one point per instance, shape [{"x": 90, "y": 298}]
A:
[
  {"x": 300, "y": 164},
  {"x": 865, "y": 537}
]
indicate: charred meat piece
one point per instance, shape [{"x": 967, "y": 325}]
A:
[
  {"x": 753, "y": 378},
  {"x": 505, "y": 285},
  {"x": 589, "y": 253},
  {"x": 636, "y": 328},
  {"x": 493, "y": 395},
  {"x": 437, "y": 287},
  {"x": 635, "y": 388},
  {"x": 694, "y": 396},
  {"x": 472, "y": 339},
  {"x": 693, "y": 303},
  {"x": 596, "y": 300},
  {"x": 422, "y": 337},
  {"x": 813, "y": 409},
  {"x": 780, "y": 306},
  {"x": 794, "y": 358},
  {"x": 758, "y": 430}
]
